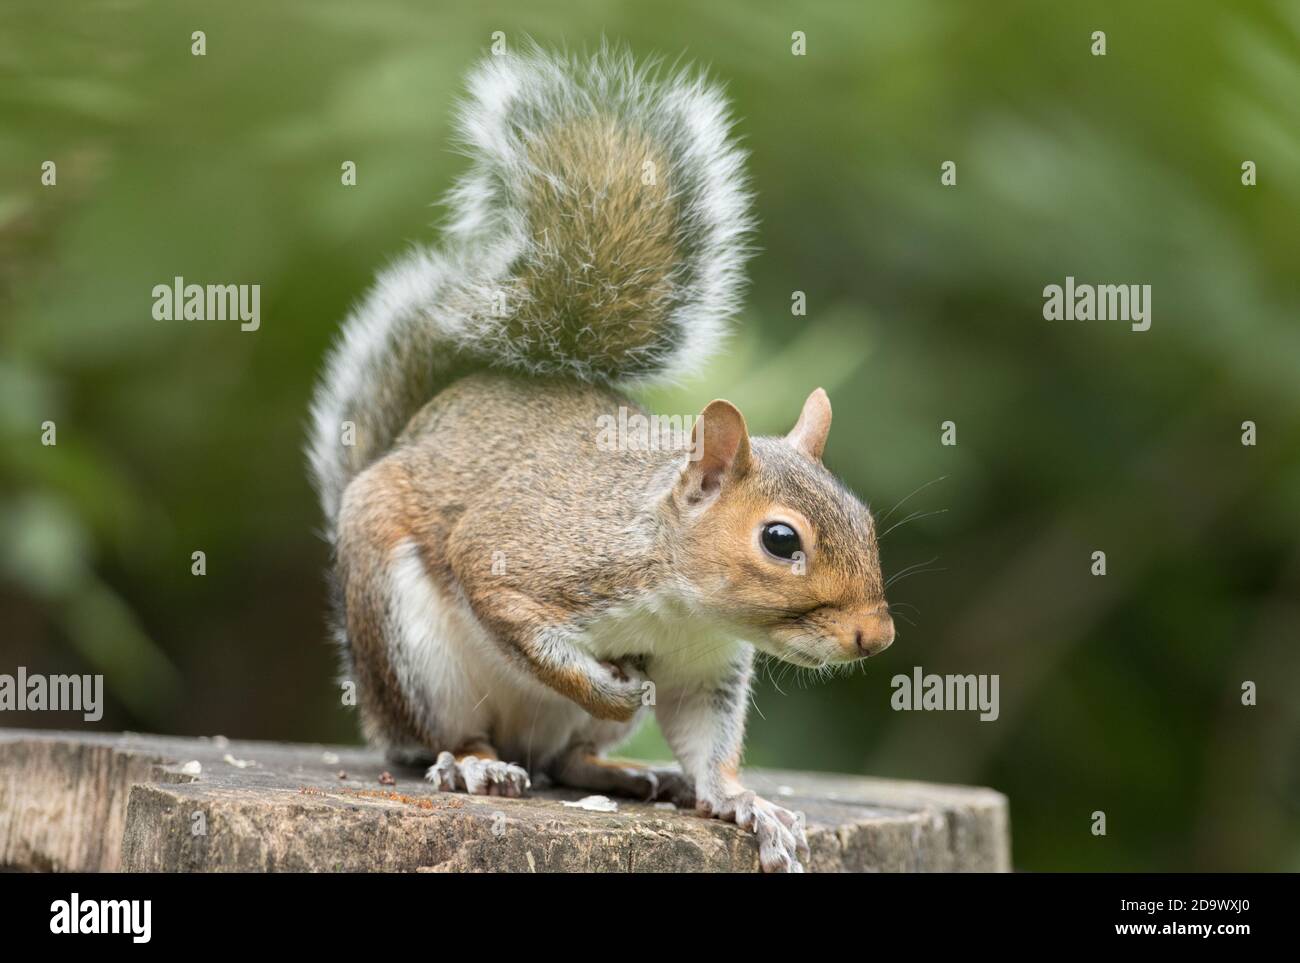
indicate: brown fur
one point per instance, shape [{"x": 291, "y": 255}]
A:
[{"x": 374, "y": 529}]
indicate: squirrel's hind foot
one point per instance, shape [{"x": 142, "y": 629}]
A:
[{"x": 478, "y": 776}]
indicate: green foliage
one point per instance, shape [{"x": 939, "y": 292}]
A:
[{"x": 1119, "y": 693}]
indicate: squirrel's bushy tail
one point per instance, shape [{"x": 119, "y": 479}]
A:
[{"x": 599, "y": 233}]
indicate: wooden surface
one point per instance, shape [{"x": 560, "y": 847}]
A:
[{"x": 73, "y": 801}]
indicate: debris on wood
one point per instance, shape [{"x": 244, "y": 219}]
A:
[{"x": 595, "y": 804}]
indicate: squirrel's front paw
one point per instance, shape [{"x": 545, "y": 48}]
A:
[
  {"x": 781, "y": 838},
  {"x": 618, "y": 692},
  {"x": 477, "y": 776}
]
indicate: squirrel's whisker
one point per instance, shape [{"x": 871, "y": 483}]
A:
[
  {"x": 909, "y": 518},
  {"x": 914, "y": 491},
  {"x": 919, "y": 571}
]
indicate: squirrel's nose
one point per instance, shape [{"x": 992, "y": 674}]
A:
[{"x": 874, "y": 633}]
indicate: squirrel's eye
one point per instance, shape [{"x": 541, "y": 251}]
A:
[{"x": 780, "y": 539}]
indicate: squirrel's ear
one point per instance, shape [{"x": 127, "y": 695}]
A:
[
  {"x": 719, "y": 450},
  {"x": 809, "y": 433}
]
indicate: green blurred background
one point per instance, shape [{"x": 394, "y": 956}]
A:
[{"x": 1119, "y": 693}]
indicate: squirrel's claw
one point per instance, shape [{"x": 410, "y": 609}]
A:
[
  {"x": 782, "y": 842},
  {"x": 477, "y": 776}
]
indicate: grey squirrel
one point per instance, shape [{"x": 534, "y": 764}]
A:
[{"x": 512, "y": 595}]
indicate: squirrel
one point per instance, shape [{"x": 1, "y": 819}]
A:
[{"x": 512, "y": 595}]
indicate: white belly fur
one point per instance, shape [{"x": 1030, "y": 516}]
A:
[{"x": 685, "y": 647}]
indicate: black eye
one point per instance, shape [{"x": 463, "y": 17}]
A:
[{"x": 780, "y": 539}]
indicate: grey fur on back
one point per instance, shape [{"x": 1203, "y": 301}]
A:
[{"x": 599, "y": 233}]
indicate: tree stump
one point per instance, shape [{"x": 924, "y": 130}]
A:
[{"x": 75, "y": 801}]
